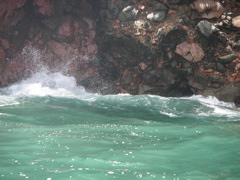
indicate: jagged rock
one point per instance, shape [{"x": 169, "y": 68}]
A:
[
  {"x": 191, "y": 52},
  {"x": 144, "y": 89},
  {"x": 199, "y": 82},
  {"x": 2, "y": 59},
  {"x": 236, "y": 22},
  {"x": 227, "y": 93},
  {"x": 157, "y": 16},
  {"x": 10, "y": 13},
  {"x": 126, "y": 80},
  {"x": 129, "y": 13},
  {"x": 162, "y": 77},
  {"x": 216, "y": 80},
  {"x": 2, "y": 54},
  {"x": 44, "y": 7},
  {"x": 220, "y": 67},
  {"x": 206, "y": 28},
  {"x": 236, "y": 46},
  {"x": 141, "y": 25},
  {"x": 4, "y": 43},
  {"x": 160, "y": 61},
  {"x": 173, "y": 37},
  {"x": 160, "y": 7},
  {"x": 112, "y": 10},
  {"x": 209, "y": 8},
  {"x": 223, "y": 37},
  {"x": 143, "y": 66},
  {"x": 203, "y": 5},
  {"x": 51, "y": 23},
  {"x": 65, "y": 30},
  {"x": 174, "y": 2},
  {"x": 227, "y": 58}
]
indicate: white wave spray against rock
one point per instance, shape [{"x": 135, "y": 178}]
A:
[{"x": 45, "y": 83}]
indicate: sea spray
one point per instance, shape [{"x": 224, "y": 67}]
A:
[{"x": 45, "y": 83}]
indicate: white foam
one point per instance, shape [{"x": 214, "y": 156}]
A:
[
  {"x": 168, "y": 114},
  {"x": 219, "y": 108},
  {"x": 45, "y": 84},
  {"x": 211, "y": 100}
]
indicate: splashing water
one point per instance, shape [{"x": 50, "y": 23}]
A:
[{"x": 53, "y": 129}]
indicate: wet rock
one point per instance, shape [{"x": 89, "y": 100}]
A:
[
  {"x": 161, "y": 77},
  {"x": 141, "y": 25},
  {"x": 216, "y": 80},
  {"x": 237, "y": 66},
  {"x": 86, "y": 76},
  {"x": 223, "y": 37},
  {"x": 227, "y": 93},
  {"x": 199, "y": 82},
  {"x": 236, "y": 46},
  {"x": 51, "y": 23},
  {"x": 191, "y": 52},
  {"x": 143, "y": 66},
  {"x": 174, "y": 2},
  {"x": 109, "y": 71},
  {"x": 206, "y": 28},
  {"x": 112, "y": 10},
  {"x": 65, "y": 30},
  {"x": 160, "y": 7},
  {"x": 236, "y": 22},
  {"x": 44, "y": 7},
  {"x": 126, "y": 77},
  {"x": 220, "y": 67},
  {"x": 2, "y": 54},
  {"x": 227, "y": 58},
  {"x": 61, "y": 51},
  {"x": 173, "y": 37},
  {"x": 209, "y": 8},
  {"x": 11, "y": 13},
  {"x": 129, "y": 13},
  {"x": 4, "y": 43},
  {"x": 146, "y": 89},
  {"x": 126, "y": 80},
  {"x": 157, "y": 16},
  {"x": 2, "y": 59}
]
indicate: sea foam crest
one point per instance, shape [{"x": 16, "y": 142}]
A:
[{"x": 45, "y": 84}]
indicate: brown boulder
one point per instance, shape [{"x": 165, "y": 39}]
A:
[
  {"x": 191, "y": 52},
  {"x": 5, "y": 43},
  {"x": 236, "y": 22},
  {"x": 65, "y": 31},
  {"x": 209, "y": 8}
]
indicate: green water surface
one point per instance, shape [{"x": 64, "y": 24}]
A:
[{"x": 118, "y": 137}]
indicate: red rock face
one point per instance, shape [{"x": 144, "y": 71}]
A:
[
  {"x": 10, "y": 14},
  {"x": 55, "y": 40},
  {"x": 44, "y": 7},
  {"x": 65, "y": 30},
  {"x": 191, "y": 52},
  {"x": 170, "y": 58}
]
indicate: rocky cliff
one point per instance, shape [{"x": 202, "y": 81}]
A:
[{"x": 163, "y": 47}]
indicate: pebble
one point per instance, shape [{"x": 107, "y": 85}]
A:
[{"x": 236, "y": 22}]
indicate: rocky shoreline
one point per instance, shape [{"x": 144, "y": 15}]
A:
[{"x": 163, "y": 47}]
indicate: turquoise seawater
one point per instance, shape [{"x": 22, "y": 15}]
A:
[{"x": 51, "y": 129}]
